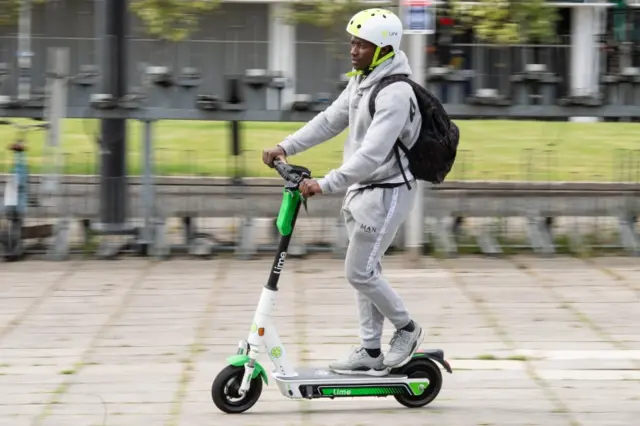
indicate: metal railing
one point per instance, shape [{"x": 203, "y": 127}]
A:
[{"x": 494, "y": 213}]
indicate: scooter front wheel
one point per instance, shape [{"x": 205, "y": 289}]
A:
[{"x": 226, "y": 385}]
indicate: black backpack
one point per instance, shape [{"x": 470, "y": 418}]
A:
[{"x": 432, "y": 156}]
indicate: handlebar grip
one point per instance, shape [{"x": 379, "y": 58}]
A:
[
  {"x": 281, "y": 168},
  {"x": 291, "y": 173}
]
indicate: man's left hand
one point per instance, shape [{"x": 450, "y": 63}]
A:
[{"x": 310, "y": 187}]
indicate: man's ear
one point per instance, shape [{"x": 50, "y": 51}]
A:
[{"x": 385, "y": 50}]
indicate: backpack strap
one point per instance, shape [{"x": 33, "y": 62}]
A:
[
  {"x": 396, "y": 149},
  {"x": 384, "y": 82}
]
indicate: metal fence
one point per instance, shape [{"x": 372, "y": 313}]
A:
[
  {"x": 197, "y": 215},
  {"x": 318, "y": 67},
  {"x": 493, "y": 65}
]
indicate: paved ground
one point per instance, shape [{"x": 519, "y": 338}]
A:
[{"x": 532, "y": 342}]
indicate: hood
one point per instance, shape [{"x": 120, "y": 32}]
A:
[{"x": 397, "y": 64}]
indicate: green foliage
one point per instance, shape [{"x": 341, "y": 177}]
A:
[
  {"x": 331, "y": 15},
  {"x": 493, "y": 21},
  {"x": 9, "y": 13},
  {"x": 171, "y": 20},
  {"x": 11, "y": 10},
  {"x": 168, "y": 20},
  {"x": 508, "y": 22}
]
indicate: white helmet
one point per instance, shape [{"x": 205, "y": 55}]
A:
[{"x": 378, "y": 26}]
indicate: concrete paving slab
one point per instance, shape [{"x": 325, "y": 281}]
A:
[
  {"x": 98, "y": 419},
  {"x": 11, "y": 410},
  {"x": 15, "y": 420},
  {"x": 532, "y": 341}
]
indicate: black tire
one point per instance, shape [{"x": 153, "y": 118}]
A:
[
  {"x": 421, "y": 368},
  {"x": 224, "y": 391}
]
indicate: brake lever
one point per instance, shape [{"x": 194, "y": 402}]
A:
[
  {"x": 294, "y": 175},
  {"x": 304, "y": 200}
]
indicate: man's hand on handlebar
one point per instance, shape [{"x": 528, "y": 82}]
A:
[
  {"x": 309, "y": 188},
  {"x": 300, "y": 176},
  {"x": 268, "y": 155}
]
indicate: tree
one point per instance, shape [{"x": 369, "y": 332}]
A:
[
  {"x": 507, "y": 21},
  {"x": 167, "y": 20},
  {"x": 172, "y": 20},
  {"x": 11, "y": 10},
  {"x": 331, "y": 15},
  {"x": 9, "y": 13}
]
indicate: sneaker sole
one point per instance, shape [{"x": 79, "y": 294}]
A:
[
  {"x": 370, "y": 372},
  {"x": 415, "y": 347}
]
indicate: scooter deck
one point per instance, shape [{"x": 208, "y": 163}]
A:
[
  {"x": 312, "y": 383},
  {"x": 324, "y": 383},
  {"x": 323, "y": 375}
]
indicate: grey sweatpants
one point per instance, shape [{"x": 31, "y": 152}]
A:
[{"x": 373, "y": 216}]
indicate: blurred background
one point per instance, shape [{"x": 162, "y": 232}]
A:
[{"x": 158, "y": 111}]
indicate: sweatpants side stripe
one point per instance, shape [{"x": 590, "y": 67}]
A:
[{"x": 383, "y": 230}]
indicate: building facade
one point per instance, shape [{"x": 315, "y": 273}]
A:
[{"x": 245, "y": 34}]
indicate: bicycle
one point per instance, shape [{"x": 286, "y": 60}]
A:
[{"x": 16, "y": 193}]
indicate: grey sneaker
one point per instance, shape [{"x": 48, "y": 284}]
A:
[
  {"x": 402, "y": 346},
  {"x": 359, "y": 362}
]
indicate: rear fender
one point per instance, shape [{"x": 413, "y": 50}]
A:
[{"x": 436, "y": 355}]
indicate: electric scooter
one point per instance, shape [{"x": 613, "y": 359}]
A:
[{"x": 239, "y": 385}]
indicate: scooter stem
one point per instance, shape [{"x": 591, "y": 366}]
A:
[{"x": 289, "y": 209}]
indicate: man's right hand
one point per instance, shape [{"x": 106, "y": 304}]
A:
[{"x": 269, "y": 155}]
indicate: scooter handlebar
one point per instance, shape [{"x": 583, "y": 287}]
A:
[{"x": 291, "y": 173}]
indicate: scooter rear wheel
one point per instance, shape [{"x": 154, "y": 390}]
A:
[
  {"x": 224, "y": 391},
  {"x": 418, "y": 369}
]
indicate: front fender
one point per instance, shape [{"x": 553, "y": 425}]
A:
[{"x": 241, "y": 360}]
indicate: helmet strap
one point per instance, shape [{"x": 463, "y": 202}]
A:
[
  {"x": 374, "y": 62},
  {"x": 377, "y": 61}
]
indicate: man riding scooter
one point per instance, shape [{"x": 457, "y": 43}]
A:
[{"x": 378, "y": 188}]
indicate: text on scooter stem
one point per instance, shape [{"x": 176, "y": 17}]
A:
[{"x": 280, "y": 263}]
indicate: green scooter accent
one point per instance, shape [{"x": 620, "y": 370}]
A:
[
  {"x": 290, "y": 200},
  {"x": 240, "y": 360}
]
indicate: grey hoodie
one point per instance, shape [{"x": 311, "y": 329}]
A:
[{"x": 368, "y": 151}]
